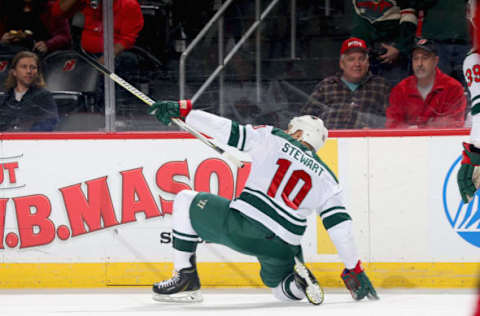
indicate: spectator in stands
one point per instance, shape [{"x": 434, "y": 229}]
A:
[
  {"x": 128, "y": 22},
  {"x": 388, "y": 28},
  {"x": 445, "y": 22},
  {"x": 28, "y": 106},
  {"x": 429, "y": 98},
  {"x": 29, "y": 25},
  {"x": 127, "y": 16},
  {"x": 354, "y": 98}
]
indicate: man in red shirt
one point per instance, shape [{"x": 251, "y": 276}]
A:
[
  {"x": 429, "y": 98},
  {"x": 128, "y": 22}
]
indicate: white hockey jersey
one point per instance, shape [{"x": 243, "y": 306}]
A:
[
  {"x": 471, "y": 71},
  {"x": 287, "y": 182}
]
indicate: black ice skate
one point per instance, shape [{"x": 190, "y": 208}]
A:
[
  {"x": 306, "y": 281},
  {"x": 184, "y": 286}
]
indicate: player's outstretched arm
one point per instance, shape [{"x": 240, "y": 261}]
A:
[
  {"x": 341, "y": 234},
  {"x": 471, "y": 159},
  {"x": 358, "y": 283},
  {"x": 166, "y": 110}
]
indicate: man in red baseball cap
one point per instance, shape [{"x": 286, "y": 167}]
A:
[
  {"x": 353, "y": 98},
  {"x": 354, "y": 60},
  {"x": 353, "y": 43}
]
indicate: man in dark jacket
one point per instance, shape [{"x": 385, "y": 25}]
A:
[
  {"x": 445, "y": 22},
  {"x": 28, "y": 106},
  {"x": 388, "y": 28}
]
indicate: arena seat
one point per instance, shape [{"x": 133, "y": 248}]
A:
[
  {"x": 71, "y": 80},
  {"x": 5, "y": 60}
]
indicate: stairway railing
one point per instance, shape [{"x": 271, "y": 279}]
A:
[{"x": 223, "y": 61}]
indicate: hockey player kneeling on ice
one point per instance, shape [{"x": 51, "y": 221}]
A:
[{"x": 287, "y": 182}]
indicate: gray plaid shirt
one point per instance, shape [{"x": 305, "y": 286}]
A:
[{"x": 341, "y": 108}]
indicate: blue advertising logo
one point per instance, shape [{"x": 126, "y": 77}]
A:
[{"x": 465, "y": 219}]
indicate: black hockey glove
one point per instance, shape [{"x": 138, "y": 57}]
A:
[
  {"x": 166, "y": 110},
  {"x": 358, "y": 283},
  {"x": 471, "y": 159}
]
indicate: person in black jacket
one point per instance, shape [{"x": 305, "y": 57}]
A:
[
  {"x": 388, "y": 28},
  {"x": 28, "y": 106}
]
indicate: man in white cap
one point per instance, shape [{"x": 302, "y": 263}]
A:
[{"x": 287, "y": 182}]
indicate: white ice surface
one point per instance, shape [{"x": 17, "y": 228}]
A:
[{"x": 231, "y": 302}]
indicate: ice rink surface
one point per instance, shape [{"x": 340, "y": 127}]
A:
[{"x": 230, "y": 302}]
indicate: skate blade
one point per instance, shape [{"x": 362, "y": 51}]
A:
[
  {"x": 315, "y": 294},
  {"x": 314, "y": 291},
  {"x": 181, "y": 297},
  {"x": 372, "y": 297}
]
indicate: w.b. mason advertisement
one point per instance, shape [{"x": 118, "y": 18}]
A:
[{"x": 95, "y": 212}]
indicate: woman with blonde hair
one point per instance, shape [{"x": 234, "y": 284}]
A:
[{"x": 28, "y": 106}]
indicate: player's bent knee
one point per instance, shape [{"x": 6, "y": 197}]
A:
[
  {"x": 287, "y": 290},
  {"x": 181, "y": 212},
  {"x": 182, "y": 201},
  {"x": 280, "y": 294}
]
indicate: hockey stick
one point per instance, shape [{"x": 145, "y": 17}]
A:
[{"x": 127, "y": 86}]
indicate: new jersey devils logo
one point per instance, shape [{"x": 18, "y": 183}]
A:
[
  {"x": 3, "y": 65},
  {"x": 69, "y": 65},
  {"x": 422, "y": 42}
]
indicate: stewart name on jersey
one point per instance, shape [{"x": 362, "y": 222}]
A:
[
  {"x": 287, "y": 181},
  {"x": 299, "y": 155}
]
